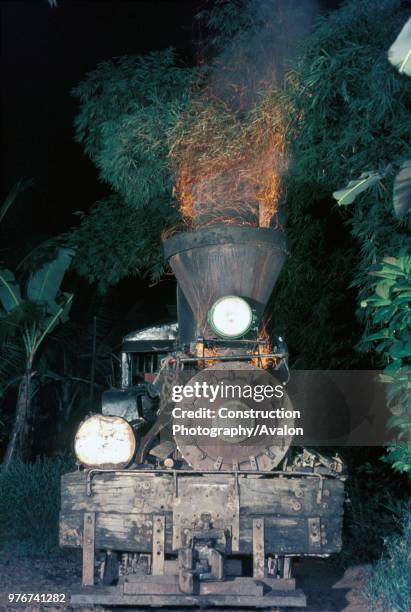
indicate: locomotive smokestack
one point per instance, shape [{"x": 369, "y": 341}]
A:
[{"x": 224, "y": 260}]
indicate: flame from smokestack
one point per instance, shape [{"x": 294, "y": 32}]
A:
[
  {"x": 229, "y": 168},
  {"x": 228, "y": 150}
]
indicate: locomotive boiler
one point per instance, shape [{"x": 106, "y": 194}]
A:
[{"x": 169, "y": 516}]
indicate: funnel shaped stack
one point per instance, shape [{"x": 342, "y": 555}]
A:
[{"x": 223, "y": 260}]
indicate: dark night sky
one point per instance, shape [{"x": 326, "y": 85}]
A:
[{"x": 44, "y": 53}]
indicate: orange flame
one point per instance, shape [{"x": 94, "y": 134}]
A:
[
  {"x": 264, "y": 348},
  {"x": 229, "y": 167},
  {"x": 257, "y": 358},
  {"x": 203, "y": 352}
]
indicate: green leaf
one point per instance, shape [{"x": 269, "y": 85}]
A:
[
  {"x": 9, "y": 290},
  {"x": 403, "y": 299},
  {"x": 354, "y": 188},
  {"x": 399, "y": 288},
  {"x": 384, "y": 315},
  {"x": 385, "y": 378},
  {"x": 402, "y": 190},
  {"x": 44, "y": 284},
  {"x": 60, "y": 316},
  {"x": 399, "y": 54},
  {"x": 391, "y": 261},
  {"x": 383, "y": 289},
  {"x": 377, "y": 302},
  {"x": 20, "y": 186},
  {"x": 395, "y": 421},
  {"x": 401, "y": 350},
  {"x": 383, "y": 335},
  {"x": 64, "y": 313}
]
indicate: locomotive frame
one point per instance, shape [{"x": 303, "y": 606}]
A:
[{"x": 270, "y": 519}]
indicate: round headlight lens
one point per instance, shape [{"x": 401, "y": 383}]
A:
[
  {"x": 230, "y": 317},
  {"x": 104, "y": 441}
]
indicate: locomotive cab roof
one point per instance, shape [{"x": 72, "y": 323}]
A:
[{"x": 153, "y": 339}]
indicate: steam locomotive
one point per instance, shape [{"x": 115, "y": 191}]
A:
[{"x": 166, "y": 519}]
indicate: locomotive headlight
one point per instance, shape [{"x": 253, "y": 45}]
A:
[
  {"x": 230, "y": 317},
  {"x": 104, "y": 441}
]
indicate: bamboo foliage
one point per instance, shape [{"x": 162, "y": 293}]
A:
[{"x": 351, "y": 123}]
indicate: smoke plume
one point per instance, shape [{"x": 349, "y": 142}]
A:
[{"x": 229, "y": 149}]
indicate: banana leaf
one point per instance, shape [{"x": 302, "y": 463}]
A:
[
  {"x": 10, "y": 296},
  {"x": 402, "y": 190},
  {"x": 59, "y": 316},
  {"x": 399, "y": 54},
  {"x": 20, "y": 186},
  {"x": 354, "y": 188},
  {"x": 44, "y": 284}
]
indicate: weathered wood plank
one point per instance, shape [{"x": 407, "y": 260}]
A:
[
  {"x": 158, "y": 545},
  {"x": 155, "y": 493},
  {"x": 291, "y": 496},
  {"x": 238, "y": 586},
  {"x": 122, "y": 493},
  {"x": 134, "y": 533},
  {"x": 89, "y": 525},
  {"x": 273, "y": 599},
  {"x": 258, "y": 549},
  {"x": 154, "y": 585},
  {"x": 285, "y": 504}
]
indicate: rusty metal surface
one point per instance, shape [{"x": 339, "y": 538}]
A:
[
  {"x": 223, "y": 260},
  {"x": 204, "y": 453},
  {"x": 220, "y": 235}
]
